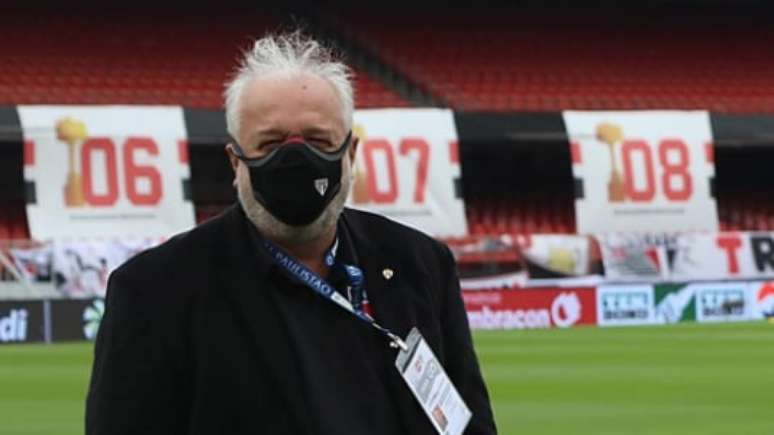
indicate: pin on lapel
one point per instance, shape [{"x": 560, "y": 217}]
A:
[{"x": 387, "y": 273}]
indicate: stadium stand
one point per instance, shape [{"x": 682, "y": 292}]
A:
[
  {"x": 525, "y": 214},
  {"x": 750, "y": 211},
  {"x": 13, "y": 222},
  {"x": 112, "y": 57},
  {"x": 476, "y": 59},
  {"x": 546, "y": 58}
]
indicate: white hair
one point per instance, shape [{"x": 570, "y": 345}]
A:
[{"x": 292, "y": 53}]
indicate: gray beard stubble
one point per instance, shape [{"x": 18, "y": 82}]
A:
[{"x": 272, "y": 228}]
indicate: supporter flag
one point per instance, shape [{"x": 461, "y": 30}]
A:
[
  {"x": 93, "y": 171},
  {"x": 642, "y": 171}
]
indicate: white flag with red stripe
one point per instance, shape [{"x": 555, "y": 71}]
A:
[
  {"x": 106, "y": 171},
  {"x": 642, "y": 171},
  {"x": 408, "y": 169}
]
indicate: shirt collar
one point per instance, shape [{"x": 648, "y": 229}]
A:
[{"x": 344, "y": 252}]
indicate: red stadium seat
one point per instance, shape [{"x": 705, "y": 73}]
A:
[
  {"x": 5, "y": 229},
  {"x": 552, "y": 59},
  {"x": 135, "y": 58}
]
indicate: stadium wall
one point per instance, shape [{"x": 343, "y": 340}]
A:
[{"x": 62, "y": 320}]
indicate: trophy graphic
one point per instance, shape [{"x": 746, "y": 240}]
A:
[
  {"x": 360, "y": 187},
  {"x": 610, "y": 135},
  {"x": 71, "y": 131}
]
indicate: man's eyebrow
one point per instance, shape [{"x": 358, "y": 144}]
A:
[
  {"x": 272, "y": 132},
  {"x": 257, "y": 137}
]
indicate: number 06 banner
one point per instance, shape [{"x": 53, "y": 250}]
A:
[
  {"x": 642, "y": 171},
  {"x": 408, "y": 169},
  {"x": 105, "y": 171}
]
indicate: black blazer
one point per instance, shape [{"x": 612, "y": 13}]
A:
[{"x": 187, "y": 345}]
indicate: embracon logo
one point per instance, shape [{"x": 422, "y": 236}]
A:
[
  {"x": 565, "y": 311},
  {"x": 13, "y": 327},
  {"x": 487, "y": 318}
]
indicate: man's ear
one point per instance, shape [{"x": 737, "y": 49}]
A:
[{"x": 232, "y": 159}]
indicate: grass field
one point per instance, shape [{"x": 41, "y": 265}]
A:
[{"x": 686, "y": 379}]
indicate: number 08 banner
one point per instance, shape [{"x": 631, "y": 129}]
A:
[
  {"x": 408, "y": 169},
  {"x": 105, "y": 171},
  {"x": 642, "y": 171}
]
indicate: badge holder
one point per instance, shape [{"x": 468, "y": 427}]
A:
[{"x": 431, "y": 386}]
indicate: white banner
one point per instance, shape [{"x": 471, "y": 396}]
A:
[
  {"x": 631, "y": 257},
  {"x": 713, "y": 256},
  {"x": 559, "y": 260},
  {"x": 642, "y": 171},
  {"x": 408, "y": 169},
  {"x": 105, "y": 171},
  {"x": 34, "y": 263},
  {"x": 82, "y": 267},
  {"x": 685, "y": 257},
  {"x": 555, "y": 255}
]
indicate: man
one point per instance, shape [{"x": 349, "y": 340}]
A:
[{"x": 227, "y": 329}]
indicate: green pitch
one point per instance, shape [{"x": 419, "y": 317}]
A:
[{"x": 683, "y": 380}]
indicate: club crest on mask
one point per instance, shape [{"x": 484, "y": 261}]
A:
[{"x": 321, "y": 185}]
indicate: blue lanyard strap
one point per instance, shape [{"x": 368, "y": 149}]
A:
[
  {"x": 324, "y": 289},
  {"x": 355, "y": 290}
]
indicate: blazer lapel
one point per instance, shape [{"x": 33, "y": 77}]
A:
[
  {"x": 387, "y": 291},
  {"x": 394, "y": 302},
  {"x": 245, "y": 275}
]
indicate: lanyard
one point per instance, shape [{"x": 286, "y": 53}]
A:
[
  {"x": 322, "y": 288},
  {"x": 355, "y": 288}
]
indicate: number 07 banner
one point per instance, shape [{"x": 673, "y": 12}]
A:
[
  {"x": 642, "y": 171},
  {"x": 105, "y": 171},
  {"x": 408, "y": 169}
]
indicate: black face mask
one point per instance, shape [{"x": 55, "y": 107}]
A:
[{"x": 296, "y": 181}]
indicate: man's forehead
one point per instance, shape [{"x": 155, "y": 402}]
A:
[{"x": 296, "y": 101}]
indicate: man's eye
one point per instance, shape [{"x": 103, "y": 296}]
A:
[
  {"x": 268, "y": 145},
  {"x": 320, "y": 143}
]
